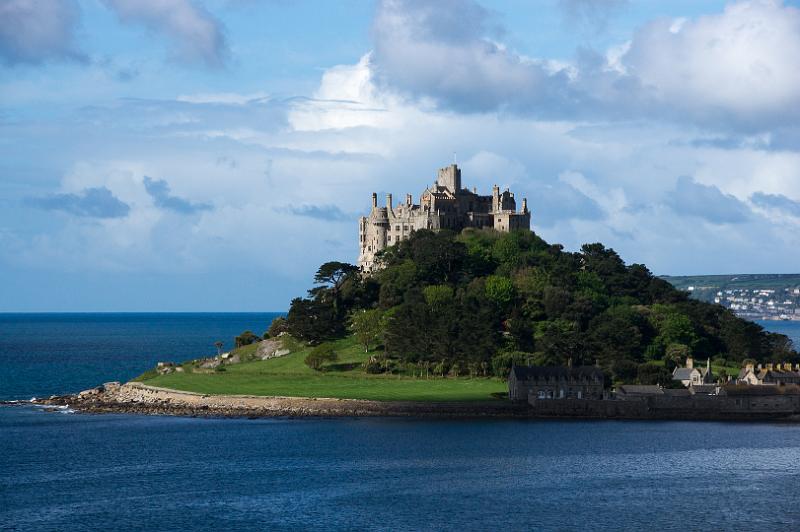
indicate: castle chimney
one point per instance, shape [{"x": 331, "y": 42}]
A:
[
  {"x": 524, "y": 205},
  {"x": 769, "y": 366},
  {"x": 409, "y": 200},
  {"x": 474, "y": 190},
  {"x": 389, "y": 201},
  {"x": 374, "y": 200},
  {"x": 689, "y": 363}
]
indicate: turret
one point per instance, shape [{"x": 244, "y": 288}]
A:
[
  {"x": 388, "y": 202},
  {"x": 374, "y": 200},
  {"x": 495, "y": 198},
  {"x": 524, "y": 205}
]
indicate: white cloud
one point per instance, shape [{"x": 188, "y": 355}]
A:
[
  {"x": 740, "y": 65},
  {"x": 727, "y": 71}
]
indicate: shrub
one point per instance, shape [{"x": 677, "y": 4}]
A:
[
  {"x": 246, "y": 338},
  {"x": 319, "y": 355}
]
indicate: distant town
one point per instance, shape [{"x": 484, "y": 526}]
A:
[{"x": 762, "y": 297}]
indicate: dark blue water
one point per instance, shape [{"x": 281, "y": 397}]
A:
[
  {"x": 77, "y": 472},
  {"x": 46, "y": 354},
  {"x": 63, "y": 471}
]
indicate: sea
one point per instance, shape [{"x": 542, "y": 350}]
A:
[{"x": 65, "y": 471}]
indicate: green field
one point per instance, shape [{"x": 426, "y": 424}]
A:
[{"x": 289, "y": 376}]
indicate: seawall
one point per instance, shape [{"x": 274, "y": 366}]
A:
[{"x": 138, "y": 398}]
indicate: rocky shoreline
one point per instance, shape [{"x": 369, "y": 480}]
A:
[
  {"x": 141, "y": 399},
  {"x": 137, "y": 398}
]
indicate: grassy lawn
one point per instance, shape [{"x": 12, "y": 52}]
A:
[{"x": 289, "y": 376}]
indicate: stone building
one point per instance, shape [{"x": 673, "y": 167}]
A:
[
  {"x": 769, "y": 374},
  {"x": 556, "y": 382},
  {"x": 692, "y": 376},
  {"x": 444, "y": 205}
]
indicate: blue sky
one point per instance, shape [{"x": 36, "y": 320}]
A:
[{"x": 209, "y": 155}]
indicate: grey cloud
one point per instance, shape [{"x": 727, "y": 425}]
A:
[
  {"x": 561, "y": 201},
  {"x": 776, "y": 201},
  {"x": 330, "y": 213},
  {"x": 160, "y": 192},
  {"x": 33, "y": 31},
  {"x": 440, "y": 49},
  {"x": 197, "y": 35},
  {"x": 707, "y": 202},
  {"x": 96, "y": 202}
]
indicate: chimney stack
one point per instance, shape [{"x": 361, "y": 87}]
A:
[
  {"x": 374, "y": 200},
  {"x": 689, "y": 362},
  {"x": 409, "y": 200},
  {"x": 524, "y": 205},
  {"x": 389, "y": 201}
]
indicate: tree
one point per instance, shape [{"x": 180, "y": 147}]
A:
[
  {"x": 278, "y": 326},
  {"x": 331, "y": 276},
  {"x": 367, "y": 326},
  {"x": 624, "y": 370},
  {"x": 500, "y": 290},
  {"x": 313, "y": 321},
  {"x": 652, "y": 374}
]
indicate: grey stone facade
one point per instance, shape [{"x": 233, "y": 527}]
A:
[
  {"x": 544, "y": 382},
  {"x": 444, "y": 205}
]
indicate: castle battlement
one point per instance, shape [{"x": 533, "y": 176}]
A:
[{"x": 445, "y": 205}]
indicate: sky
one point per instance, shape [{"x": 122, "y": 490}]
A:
[{"x": 188, "y": 155}]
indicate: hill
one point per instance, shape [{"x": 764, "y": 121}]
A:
[
  {"x": 483, "y": 299},
  {"x": 447, "y": 315}
]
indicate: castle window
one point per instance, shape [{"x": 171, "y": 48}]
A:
[
  {"x": 396, "y": 227},
  {"x": 389, "y": 238},
  {"x": 405, "y": 228}
]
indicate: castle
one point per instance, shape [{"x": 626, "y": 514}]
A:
[{"x": 445, "y": 205}]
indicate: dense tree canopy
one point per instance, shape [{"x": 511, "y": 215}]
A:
[{"x": 483, "y": 299}]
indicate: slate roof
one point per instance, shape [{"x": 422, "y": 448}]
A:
[
  {"x": 745, "y": 389},
  {"x": 640, "y": 389},
  {"x": 682, "y": 374},
  {"x": 524, "y": 373}
]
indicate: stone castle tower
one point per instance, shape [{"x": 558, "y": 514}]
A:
[{"x": 445, "y": 205}]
